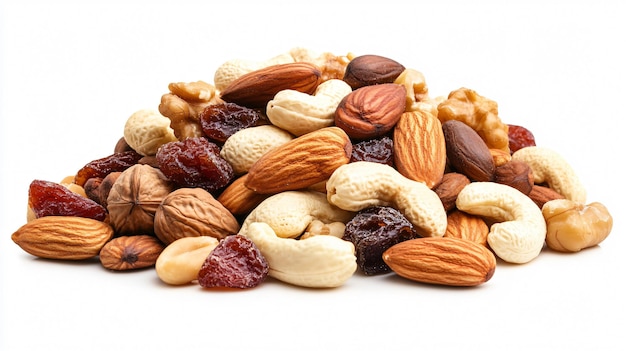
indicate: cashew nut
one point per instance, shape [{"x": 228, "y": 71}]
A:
[
  {"x": 321, "y": 261},
  {"x": 550, "y": 167},
  {"x": 146, "y": 130},
  {"x": 362, "y": 184},
  {"x": 521, "y": 232},
  {"x": 289, "y": 213},
  {"x": 301, "y": 113},
  {"x": 231, "y": 70},
  {"x": 246, "y": 146},
  {"x": 573, "y": 226},
  {"x": 180, "y": 262}
]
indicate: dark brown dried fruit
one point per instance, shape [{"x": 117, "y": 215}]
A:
[
  {"x": 47, "y": 198},
  {"x": 373, "y": 150},
  {"x": 520, "y": 137},
  {"x": 220, "y": 121},
  {"x": 116, "y": 162},
  {"x": 195, "y": 163},
  {"x": 234, "y": 263},
  {"x": 374, "y": 230}
]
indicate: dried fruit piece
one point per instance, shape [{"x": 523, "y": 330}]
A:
[
  {"x": 47, "y": 198},
  {"x": 520, "y": 137},
  {"x": 374, "y": 230},
  {"x": 235, "y": 262},
  {"x": 195, "y": 163},
  {"x": 373, "y": 150},
  {"x": 100, "y": 168},
  {"x": 220, "y": 121}
]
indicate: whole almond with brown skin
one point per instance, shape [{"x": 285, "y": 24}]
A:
[
  {"x": 516, "y": 174},
  {"x": 419, "y": 147},
  {"x": 63, "y": 237},
  {"x": 467, "y": 152},
  {"x": 371, "y": 111},
  {"x": 131, "y": 252},
  {"x": 257, "y": 88},
  {"x": 463, "y": 225},
  {"x": 449, "y": 188},
  {"x": 442, "y": 261},
  {"x": 238, "y": 198},
  {"x": 541, "y": 194},
  {"x": 371, "y": 69},
  {"x": 301, "y": 162}
]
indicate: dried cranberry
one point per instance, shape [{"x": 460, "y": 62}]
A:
[
  {"x": 374, "y": 150},
  {"x": 372, "y": 231},
  {"x": 234, "y": 263},
  {"x": 520, "y": 137},
  {"x": 53, "y": 199},
  {"x": 220, "y": 121},
  {"x": 100, "y": 168},
  {"x": 195, "y": 163}
]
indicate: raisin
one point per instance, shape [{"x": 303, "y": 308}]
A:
[
  {"x": 372, "y": 231},
  {"x": 234, "y": 263},
  {"x": 220, "y": 121},
  {"x": 520, "y": 137},
  {"x": 374, "y": 150},
  {"x": 47, "y": 198},
  {"x": 195, "y": 163},
  {"x": 100, "y": 168}
]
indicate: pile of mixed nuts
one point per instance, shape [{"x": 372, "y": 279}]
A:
[{"x": 308, "y": 168}]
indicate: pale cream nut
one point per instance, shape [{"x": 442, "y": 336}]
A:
[
  {"x": 520, "y": 233},
  {"x": 180, "y": 262},
  {"x": 230, "y": 70},
  {"x": 301, "y": 113},
  {"x": 146, "y": 130}
]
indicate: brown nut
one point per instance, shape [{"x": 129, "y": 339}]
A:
[
  {"x": 467, "y": 152},
  {"x": 451, "y": 185},
  {"x": 371, "y": 69},
  {"x": 465, "y": 226},
  {"x": 257, "y": 88},
  {"x": 134, "y": 199},
  {"x": 371, "y": 111},
  {"x": 192, "y": 212},
  {"x": 131, "y": 252},
  {"x": 516, "y": 174},
  {"x": 541, "y": 194},
  {"x": 238, "y": 198}
]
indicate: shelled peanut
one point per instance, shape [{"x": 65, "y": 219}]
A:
[{"x": 307, "y": 168}]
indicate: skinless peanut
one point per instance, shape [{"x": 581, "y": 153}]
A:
[{"x": 180, "y": 261}]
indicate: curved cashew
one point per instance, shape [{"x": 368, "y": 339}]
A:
[
  {"x": 521, "y": 233},
  {"x": 321, "y": 261},
  {"x": 289, "y": 213},
  {"x": 246, "y": 146},
  {"x": 573, "y": 226},
  {"x": 301, "y": 113},
  {"x": 550, "y": 167},
  {"x": 146, "y": 130},
  {"x": 229, "y": 71},
  {"x": 362, "y": 184}
]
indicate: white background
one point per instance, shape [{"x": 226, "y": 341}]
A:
[{"x": 73, "y": 72}]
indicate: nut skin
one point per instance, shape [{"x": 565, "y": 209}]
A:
[
  {"x": 371, "y": 111},
  {"x": 370, "y": 70},
  {"x": 257, "y": 88},
  {"x": 419, "y": 147},
  {"x": 441, "y": 261},
  {"x": 467, "y": 152},
  {"x": 451, "y": 185},
  {"x": 541, "y": 194},
  {"x": 63, "y": 237},
  {"x": 516, "y": 174},
  {"x": 131, "y": 252},
  {"x": 301, "y": 162},
  {"x": 468, "y": 227},
  {"x": 239, "y": 199}
]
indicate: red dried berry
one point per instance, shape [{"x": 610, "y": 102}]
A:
[
  {"x": 234, "y": 263},
  {"x": 52, "y": 199},
  {"x": 195, "y": 163},
  {"x": 374, "y": 150},
  {"x": 220, "y": 121},
  {"x": 520, "y": 137},
  {"x": 100, "y": 168}
]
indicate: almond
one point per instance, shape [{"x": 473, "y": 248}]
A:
[
  {"x": 371, "y": 69},
  {"x": 238, "y": 198},
  {"x": 516, "y": 174},
  {"x": 449, "y": 188},
  {"x": 301, "y": 162},
  {"x": 257, "y": 88},
  {"x": 467, "y": 152},
  {"x": 63, "y": 237},
  {"x": 131, "y": 252},
  {"x": 419, "y": 147},
  {"x": 441, "y": 261},
  {"x": 541, "y": 194},
  {"x": 463, "y": 225},
  {"x": 371, "y": 111}
]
